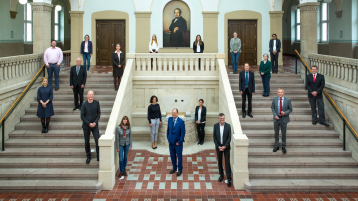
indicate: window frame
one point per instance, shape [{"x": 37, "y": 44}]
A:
[
  {"x": 322, "y": 22},
  {"x": 56, "y": 25},
  {"x": 26, "y": 22},
  {"x": 297, "y": 24}
]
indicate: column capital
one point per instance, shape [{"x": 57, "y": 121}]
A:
[
  {"x": 210, "y": 14},
  {"x": 309, "y": 6},
  {"x": 41, "y": 7},
  {"x": 143, "y": 14},
  {"x": 76, "y": 13},
  {"x": 274, "y": 14}
]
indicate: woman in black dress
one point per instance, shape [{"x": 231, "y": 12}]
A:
[
  {"x": 118, "y": 64},
  {"x": 45, "y": 107}
]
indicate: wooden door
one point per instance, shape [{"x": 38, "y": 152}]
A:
[
  {"x": 246, "y": 31},
  {"x": 109, "y": 33}
]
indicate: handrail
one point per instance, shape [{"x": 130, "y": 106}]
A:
[
  {"x": 335, "y": 107},
  {"x": 16, "y": 102}
]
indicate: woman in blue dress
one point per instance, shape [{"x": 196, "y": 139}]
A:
[{"x": 45, "y": 107}]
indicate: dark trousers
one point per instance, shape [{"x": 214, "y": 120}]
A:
[
  {"x": 78, "y": 91},
  {"x": 176, "y": 151},
  {"x": 277, "y": 125},
  {"x": 274, "y": 61},
  {"x": 201, "y": 131},
  {"x": 87, "y": 133},
  {"x": 249, "y": 97},
  {"x": 151, "y": 61},
  {"x": 266, "y": 85},
  {"x": 226, "y": 153},
  {"x": 199, "y": 59},
  {"x": 314, "y": 102}
]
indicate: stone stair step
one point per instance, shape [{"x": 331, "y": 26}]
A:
[
  {"x": 63, "y": 118},
  {"x": 65, "y": 91},
  {"x": 273, "y": 92},
  {"x": 67, "y": 110},
  {"x": 100, "y": 97},
  {"x": 48, "y": 163},
  {"x": 254, "y": 134},
  {"x": 69, "y": 103},
  {"x": 50, "y": 186},
  {"x": 267, "y": 104},
  {"x": 316, "y": 162},
  {"x": 303, "y": 125},
  {"x": 277, "y": 81},
  {"x": 301, "y": 185},
  {"x": 303, "y": 173},
  {"x": 90, "y": 76},
  {"x": 47, "y": 152},
  {"x": 259, "y": 97},
  {"x": 264, "y": 118},
  {"x": 277, "y": 85},
  {"x": 294, "y": 143},
  {"x": 48, "y": 173},
  {"x": 55, "y": 134},
  {"x": 299, "y": 152},
  {"x": 268, "y": 111},
  {"x": 54, "y": 126},
  {"x": 49, "y": 143},
  {"x": 280, "y": 75}
]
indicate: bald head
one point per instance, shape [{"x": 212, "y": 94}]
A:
[{"x": 90, "y": 95}]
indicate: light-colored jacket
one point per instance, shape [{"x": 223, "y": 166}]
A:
[
  {"x": 232, "y": 45},
  {"x": 123, "y": 141}
]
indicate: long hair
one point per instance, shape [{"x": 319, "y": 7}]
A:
[
  {"x": 196, "y": 40},
  {"x": 154, "y": 40},
  {"x": 122, "y": 124}
]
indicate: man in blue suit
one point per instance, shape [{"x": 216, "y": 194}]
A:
[
  {"x": 275, "y": 49},
  {"x": 175, "y": 136}
]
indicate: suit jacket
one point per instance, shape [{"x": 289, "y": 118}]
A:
[
  {"x": 203, "y": 114},
  {"x": 226, "y": 136},
  {"x": 278, "y": 45},
  {"x": 317, "y": 86},
  {"x": 89, "y": 47},
  {"x": 201, "y": 47},
  {"x": 115, "y": 60},
  {"x": 242, "y": 82},
  {"x": 177, "y": 39},
  {"x": 90, "y": 113},
  {"x": 78, "y": 80},
  {"x": 178, "y": 133},
  {"x": 286, "y": 107}
]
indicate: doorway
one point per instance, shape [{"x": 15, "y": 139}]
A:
[
  {"x": 247, "y": 33},
  {"x": 109, "y": 33}
]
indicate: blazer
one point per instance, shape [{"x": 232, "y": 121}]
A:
[
  {"x": 123, "y": 141},
  {"x": 278, "y": 45},
  {"x": 203, "y": 114},
  {"x": 115, "y": 59},
  {"x": 242, "y": 82},
  {"x": 178, "y": 133},
  {"x": 90, "y": 114},
  {"x": 226, "y": 136},
  {"x": 78, "y": 80},
  {"x": 232, "y": 45},
  {"x": 266, "y": 68},
  {"x": 89, "y": 47},
  {"x": 286, "y": 107},
  {"x": 201, "y": 47},
  {"x": 317, "y": 86}
]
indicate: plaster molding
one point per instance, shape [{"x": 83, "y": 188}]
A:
[
  {"x": 41, "y": 7},
  {"x": 210, "y": 14},
  {"x": 310, "y": 6},
  {"x": 274, "y": 14},
  {"x": 13, "y": 14},
  {"x": 143, "y": 14}
]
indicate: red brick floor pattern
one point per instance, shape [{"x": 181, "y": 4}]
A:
[{"x": 149, "y": 180}]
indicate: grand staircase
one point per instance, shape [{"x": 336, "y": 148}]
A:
[
  {"x": 55, "y": 162},
  {"x": 314, "y": 161}
]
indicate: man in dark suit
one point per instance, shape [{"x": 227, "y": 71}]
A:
[
  {"x": 176, "y": 28},
  {"x": 281, "y": 108},
  {"x": 175, "y": 136},
  {"x": 315, "y": 85},
  {"x": 275, "y": 49},
  {"x": 90, "y": 114},
  {"x": 247, "y": 87},
  {"x": 222, "y": 139},
  {"x": 78, "y": 76}
]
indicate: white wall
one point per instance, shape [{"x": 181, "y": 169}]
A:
[
  {"x": 340, "y": 24},
  {"x": 229, "y": 6},
  {"x": 127, "y": 6}
]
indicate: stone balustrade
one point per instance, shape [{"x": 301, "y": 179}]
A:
[
  {"x": 337, "y": 70},
  {"x": 19, "y": 68}
]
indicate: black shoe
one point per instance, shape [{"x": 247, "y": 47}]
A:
[
  {"x": 43, "y": 128},
  {"x": 244, "y": 115},
  {"x": 284, "y": 150},
  {"x": 221, "y": 178},
  {"x": 97, "y": 158},
  {"x": 314, "y": 122},
  {"x": 79, "y": 107},
  {"x": 228, "y": 183},
  {"x": 75, "y": 108},
  {"x": 46, "y": 127},
  {"x": 88, "y": 160},
  {"x": 202, "y": 142},
  {"x": 276, "y": 148},
  {"x": 265, "y": 95},
  {"x": 172, "y": 171},
  {"x": 324, "y": 123},
  {"x": 250, "y": 115},
  {"x": 56, "y": 89},
  {"x": 179, "y": 173}
]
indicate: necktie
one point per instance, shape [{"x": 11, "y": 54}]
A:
[
  {"x": 77, "y": 70},
  {"x": 247, "y": 78},
  {"x": 173, "y": 124},
  {"x": 280, "y": 106},
  {"x": 314, "y": 77}
]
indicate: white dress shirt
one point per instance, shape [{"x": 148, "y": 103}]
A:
[
  {"x": 279, "y": 105},
  {"x": 119, "y": 55},
  {"x": 154, "y": 46},
  {"x": 199, "y": 114},
  {"x": 222, "y": 132},
  {"x": 274, "y": 45},
  {"x": 86, "y": 47},
  {"x": 197, "y": 47}
]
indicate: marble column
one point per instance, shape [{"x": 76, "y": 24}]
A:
[
  {"x": 309, "y": 42},
  {"x": 276, "y": 28},
  {"x": 143, "y": 31},
  {"x": 77, "y": 35},
  {"x": 41, "y": 26},
  {"x": 210, "y": 37}
]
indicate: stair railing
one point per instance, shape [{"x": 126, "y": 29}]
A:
[
  {"x": 16, "y": 103},
  {"x": 331, "y": 101}
]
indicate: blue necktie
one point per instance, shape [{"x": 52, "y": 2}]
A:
[
  {"x": 247, "y": 78},
  {"x": 173, "y": 124}
]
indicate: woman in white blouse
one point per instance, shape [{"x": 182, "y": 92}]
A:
[
  {"x": 198, "y": 46},
  {"x": 153, "y": 47}
]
